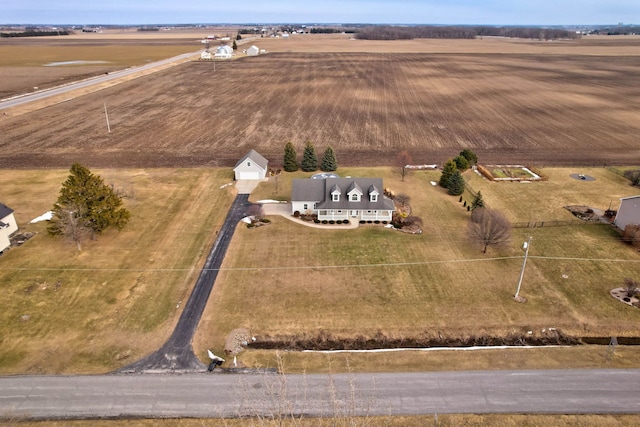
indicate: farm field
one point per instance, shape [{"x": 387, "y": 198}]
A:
[
  {"x": 531, "y": 103},
  {"x": 288, "y": 281},
  {"x": 65, "y": 311}
]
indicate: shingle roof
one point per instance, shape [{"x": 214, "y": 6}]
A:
[
  {"x": 5, "y": 210},
  {"x": 319, "y": 190},
  {"x": 256, "y": 158}
]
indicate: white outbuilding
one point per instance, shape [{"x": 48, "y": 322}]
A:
[
  {"x": 628, "y": 212},
  {"x": 251, "y": 166},
  {"x": 223, "y": 52},
  {"x": 253, "y": 51},
  {"x": 8, "y": 226},
  {"x": 206, "y": 56}
]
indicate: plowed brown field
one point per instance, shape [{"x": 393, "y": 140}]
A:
[{"x": 532, "y": 108}]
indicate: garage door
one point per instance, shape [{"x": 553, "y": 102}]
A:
[{"x": 249, "y": 175}]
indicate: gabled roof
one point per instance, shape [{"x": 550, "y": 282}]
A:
[
  {"x": 5, "y": 210},
  {"x": 630, "y": 197},
  {"x": 319, "y": 191},
  {"x": 254, "y": 156}
]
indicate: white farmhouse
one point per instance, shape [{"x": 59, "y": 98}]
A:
[
  {"x": 206, "y": 56},
  {"x": 342, "y": 198},
  {"x": 8, "y": 226},
  {"x": 251, "y": 166},
  {"x": 223, "y": 52},
  {"x": 253, "y": 51},
  {"x": 628, "y": 213}
]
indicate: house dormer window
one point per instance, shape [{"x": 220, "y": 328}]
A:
[
  {"x": 354, "y": 197},
  {"x": 373, "y": 194},
  {"x": 335, "y": 197}
]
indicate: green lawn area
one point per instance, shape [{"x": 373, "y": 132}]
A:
[
  {"x": 65, "y": 311},
  {"x": 290, "y": 280}
]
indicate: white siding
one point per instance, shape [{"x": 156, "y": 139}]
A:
[
  {"x": 11, "y": 221},
  {"x": 628, "y": 213},
  {"x": 4, "y": 239}
]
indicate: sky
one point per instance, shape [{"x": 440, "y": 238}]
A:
[{"x": 446, "y": 12}]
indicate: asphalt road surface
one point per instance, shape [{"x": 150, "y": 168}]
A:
[
  {"x": 234, "y": 395},
  {"x": 177, "y": 353},
  {"x": 23, "y": 99}
]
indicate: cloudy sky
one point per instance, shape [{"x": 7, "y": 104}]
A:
[{"x": 497, "y": 12}]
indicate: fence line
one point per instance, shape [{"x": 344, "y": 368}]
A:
[{"x": 537, "y": 224}]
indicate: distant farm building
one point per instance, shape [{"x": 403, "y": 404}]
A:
[
  {"x": 628, "y": 213},
  {"x": 251, "y": 166},
  {"x": 253, "y": 51},
  {"x": 223, "y": 52},
  {"x": 206, "y": 56}
]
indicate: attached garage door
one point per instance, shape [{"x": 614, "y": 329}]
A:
[{"x": 249, "y": 175}]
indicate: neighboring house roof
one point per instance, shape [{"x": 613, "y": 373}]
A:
[
  {"x": 5, "y": 210},
  {"x": 629, "y": 198},
  {"x": 254, "y": 156},
  {"x": 320, "y": 190}
]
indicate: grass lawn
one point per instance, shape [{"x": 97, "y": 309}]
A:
[
  {"x": 290, "y": 280},
  {"x": 65, "y": 311}
]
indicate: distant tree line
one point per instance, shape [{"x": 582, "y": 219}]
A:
[
  {"x": 625, "y": 30},
  {"x": 38, "y": 33},
  {"x": 148, "y": 29},
  {"x": 388, "y": 32}
]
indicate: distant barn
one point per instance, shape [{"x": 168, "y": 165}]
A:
[
  {"x": 223, "y": 52},
  {"x": 253, "y": 51}
]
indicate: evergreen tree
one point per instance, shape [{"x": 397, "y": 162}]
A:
[
  {"x": 329, "y": 163},
  {"x": 461, "y": 163},
  {"x": 290, "y": 163},
  {"x": 235, "y": 45},
  {"x": 447, "y": 171},
  {"x": 309, "y": 158},
  {"x": 86, "y": 204},
  {"x": 477, "y": 201},
  {"x": 470, "y": 156},
  {"x": 456, "y": 184}
]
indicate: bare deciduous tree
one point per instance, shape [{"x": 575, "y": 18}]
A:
[
  {"x": 631, "y": 287},
  {"x": 73, "y": 224},
  {"x": 402, "y": 161},
  {"x": 488, "y": 227}
]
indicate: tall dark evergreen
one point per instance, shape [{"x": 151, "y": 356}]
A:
[
  {"x": 290, "y": 162},
  {"x": 89, "y": 203},
  {"x": 309, "y": 158},
  {"x": 470, "y": 156},
  {"x": 461, "y": 162},
  {"x": 447, "y": 171},
  {"x": 456, "y": 184},
  {"x": 329, "y": 162}
]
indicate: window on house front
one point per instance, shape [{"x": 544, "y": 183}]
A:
[
  {"x": 248, "y": 163},
  {"x": 336, "y": 198},
  {"x": 305, "y": 206},
  {"x": 374, "y": 197},
  {"x": 354, "y": 197}
]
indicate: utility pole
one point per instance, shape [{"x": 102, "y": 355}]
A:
[
  {"x": 526, "y": 245},
  {"x": 107, "y": 116}
]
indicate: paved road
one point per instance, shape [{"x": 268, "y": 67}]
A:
[
  {"x": 232, "y": 395},
  {"x": 90, "y": 82},
  {"x": 177, "y": 353}
]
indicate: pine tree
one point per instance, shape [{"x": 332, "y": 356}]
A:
[
  {"x": 470, "y": 156},
  {"x": 86, "y": 204},
  {"x": 456, "y": 184},
  {"x": 447, "y": 171},
  {"x": 290, "y": 163},
  {"x": 329, "y": 163},
  {"x": 461, "y": 162},
  {"x": 309, "y": 158},
  {"x": 235, "y": 45},
  {"x": 477, "y": 201}
]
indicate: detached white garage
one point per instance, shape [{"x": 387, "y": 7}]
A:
[{"x": 251, "y": 166}]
